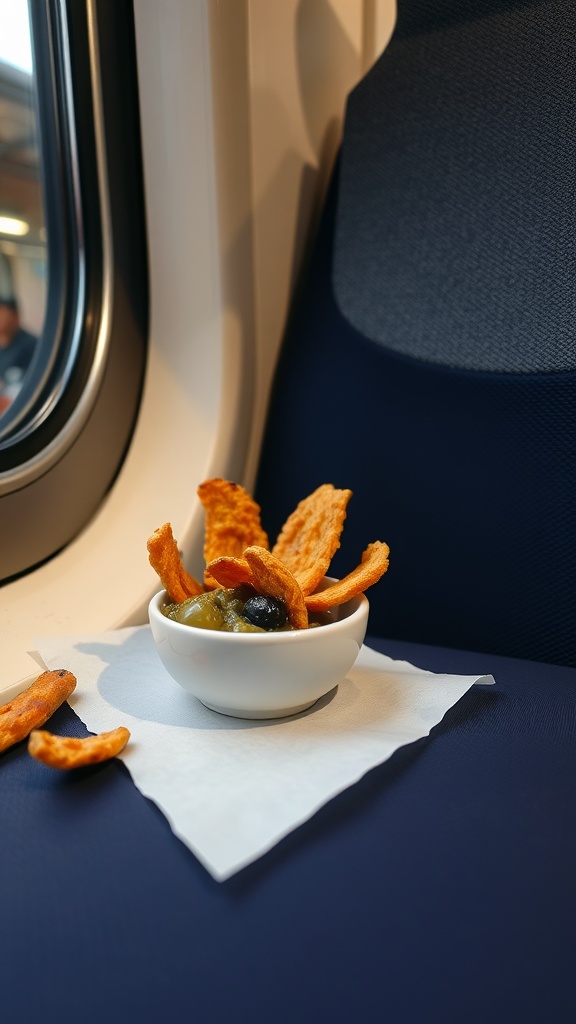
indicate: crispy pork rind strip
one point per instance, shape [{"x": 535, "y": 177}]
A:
[
  {"x": 164, "y": 558},
  {"x": 228, "y": 571},
  {"x": 232, "y": 522},
  {"x": 372, "y": 567},
  {"x": 71, "y": 752},
  {"x": 311, "y": 535},
  {"x": 34, "y": 706},
  {"x": 271, "y": 576}
]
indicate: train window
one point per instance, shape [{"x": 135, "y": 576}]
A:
[
  {"x": 73, "y": 284},
  {"x": 22, "y": 220}
]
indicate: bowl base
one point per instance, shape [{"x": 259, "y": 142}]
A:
[{"x": 272, "y": 713}]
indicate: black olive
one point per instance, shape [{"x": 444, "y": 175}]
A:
[{"x": 265, "y": 611}]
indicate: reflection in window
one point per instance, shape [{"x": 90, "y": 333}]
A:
[{"x": 23, "y": 264}]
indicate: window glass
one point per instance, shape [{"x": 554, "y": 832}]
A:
[
  {"x": 73, "y": 283},
  {"x": 23, "y": 261}
]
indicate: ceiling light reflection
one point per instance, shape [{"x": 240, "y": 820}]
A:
[{"x": 13, "y": 226}]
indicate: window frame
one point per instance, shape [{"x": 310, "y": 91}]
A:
[{"x": 73, "y": 425}]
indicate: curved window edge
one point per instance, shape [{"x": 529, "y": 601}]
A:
[{"x": 79, "y": 421}]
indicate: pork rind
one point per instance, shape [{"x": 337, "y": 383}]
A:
[
  {"x": 34, "y": 706},
  {"x": 71, "y": 752},
  {"x": 271, "y": 576},
  {"x": 299, "y": 561},
  {"x": 228, "y": 571},
  {"x": 232, "y": 522},
  {"x": 164, "y": 558},
  {"x": 311, "y": 535},
  {"x": 372, "y": 567}
]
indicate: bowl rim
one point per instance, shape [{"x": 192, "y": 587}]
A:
[{"x": 293, "y": 635}]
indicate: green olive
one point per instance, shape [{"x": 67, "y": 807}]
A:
[{"x": 199, "y": 611}]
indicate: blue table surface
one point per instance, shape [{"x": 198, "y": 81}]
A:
[{"x": 441, "y": 887}]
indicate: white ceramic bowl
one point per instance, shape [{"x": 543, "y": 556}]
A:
[{"x": 260, "y": 675}]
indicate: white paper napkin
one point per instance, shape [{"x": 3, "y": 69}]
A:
[{"x": 231, "y": 788}]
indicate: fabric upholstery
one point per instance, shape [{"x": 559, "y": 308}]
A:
[{"x": 467, "y": 473}]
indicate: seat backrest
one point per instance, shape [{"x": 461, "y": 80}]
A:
[{"x": 430, "y": 364}]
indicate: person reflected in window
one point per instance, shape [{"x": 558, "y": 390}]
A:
[{"x": 17, "y": 346}]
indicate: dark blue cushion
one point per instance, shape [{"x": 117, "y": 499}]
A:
[
  {"x": 469, "y": 477},
  {"x": 456, "y": 227},
  {"x": 422, "y": 268}
]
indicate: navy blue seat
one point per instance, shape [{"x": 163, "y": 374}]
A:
[{"x": 430, "y": 364}]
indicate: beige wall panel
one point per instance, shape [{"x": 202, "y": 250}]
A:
[{"x": 283, "y": 70}]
